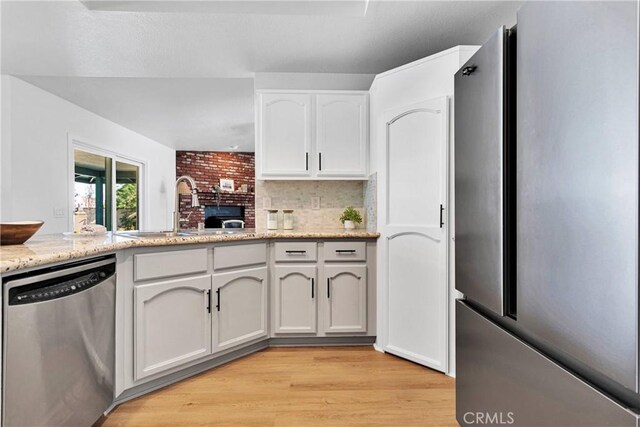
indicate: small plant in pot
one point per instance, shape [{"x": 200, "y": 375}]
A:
[{"x": 350, "y": 217}]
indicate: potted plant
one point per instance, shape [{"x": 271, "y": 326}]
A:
[{"x": 350, "y": 217}]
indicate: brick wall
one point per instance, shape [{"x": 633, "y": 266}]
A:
[{"x": 207, "y": 168}]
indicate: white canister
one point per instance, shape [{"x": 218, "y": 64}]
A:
[
  {"x": 287, "y": 219},
  {"x": 272, "y": 219}
]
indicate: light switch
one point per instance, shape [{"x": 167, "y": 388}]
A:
[
  {"x": 58, "y": 212},
  {"x": 315, "y": 202}
]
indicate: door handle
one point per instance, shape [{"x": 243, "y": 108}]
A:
[
  {"x": 312, "y": 286},
  {"x": 218, "y": 294},
  {"x": 320, "y": 161},
  {"x": 209, "y": 301},
  {"x": 328, "y": 287},
  {"x": 307, "y": 160},
  {"x": 467, "y": 71},
  {"x": 441, "y": 222}
]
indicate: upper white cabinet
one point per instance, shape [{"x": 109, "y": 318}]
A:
[
  {"x": 284, "y": 135},
  {"x": 341, "y": 135},
  {"x": 312, "y": 135}
]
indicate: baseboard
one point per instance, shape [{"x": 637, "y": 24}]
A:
[
  {"x": 143, "y": 389},
  {"x": 320, "y": 341}
]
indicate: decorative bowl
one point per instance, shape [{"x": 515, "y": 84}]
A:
[{"x": 18, "y": 232}]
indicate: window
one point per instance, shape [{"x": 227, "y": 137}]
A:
[{"x": 106, "y": 191}]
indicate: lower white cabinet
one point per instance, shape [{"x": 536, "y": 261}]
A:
[
  {"x": 295, "y": 297},
  {"x": 345, "y": 306},
  {"x": 239, "y": 307},
  {"x": 172, "y": 324}
]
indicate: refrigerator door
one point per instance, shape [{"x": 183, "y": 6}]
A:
[
  {"x": 577, "y": 182},
  {"x": 479, "y": 154},
  {"x": 502, "y": 380}
]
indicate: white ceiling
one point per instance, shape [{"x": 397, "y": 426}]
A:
[
  {"x": 196, "y": 114},
  {"x": 121, "y": 64}
]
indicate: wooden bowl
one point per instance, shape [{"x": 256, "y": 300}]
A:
[{"x": 18, "y": 232}]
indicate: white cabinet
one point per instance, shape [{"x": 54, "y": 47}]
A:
[
  {"x": 284, "y": 135},
  {"x": 172, "y": 324},
  {"x": 312, "y": 135},
  {"x": 341, "y": 135},
  {"x": 345, "y": 306},
  {"x": 295, "y": 297},
  {"x": 239, "y": 307}
]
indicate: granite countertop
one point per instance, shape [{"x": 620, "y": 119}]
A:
[{"x": 52, "y": 248}]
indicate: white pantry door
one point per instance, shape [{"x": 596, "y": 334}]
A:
[{"x": 414, "y": 234}]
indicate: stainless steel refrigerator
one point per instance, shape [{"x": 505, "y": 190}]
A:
[{"x": 546, "y": 223}]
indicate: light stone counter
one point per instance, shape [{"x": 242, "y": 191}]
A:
[{"x": 53, "y": 248}]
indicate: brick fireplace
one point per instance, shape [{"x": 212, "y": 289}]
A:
[{"x": 207, "y": 168}]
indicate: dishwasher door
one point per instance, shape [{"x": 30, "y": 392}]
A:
[{"x": 59, "y": 329}]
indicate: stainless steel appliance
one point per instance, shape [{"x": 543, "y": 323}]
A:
[
  {"x": 59, "y": 334},
  {"x": 547, "y": 243}
]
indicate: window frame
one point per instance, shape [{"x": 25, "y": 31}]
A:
[{"x": 75, "y": 143}]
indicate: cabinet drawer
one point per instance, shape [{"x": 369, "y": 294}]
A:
[
  {"x": 168, "y": 264},
  {"x": 296, "y": 251},
  {"x": 345, "y": 251},
  {"x": 239, "y": 255}
]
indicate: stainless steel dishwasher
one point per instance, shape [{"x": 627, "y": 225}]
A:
[{"x": 59, "y": 335}]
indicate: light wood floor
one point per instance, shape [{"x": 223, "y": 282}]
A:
[{"x": 328, "y": 386}]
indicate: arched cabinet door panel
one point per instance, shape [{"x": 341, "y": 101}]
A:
[
  {"x": 172, "y": 324},
  {"x": 342, "y": 134},
  {"x": 295, "y": 299},
  {"x": 345, "y": 306},
  {"x": 239, "y": 307},
  {"x": 414, "y": 231},
  {"x": 284, "y": 135}
]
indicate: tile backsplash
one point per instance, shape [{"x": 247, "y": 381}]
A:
[
  {"x": 370, "y": 196},
  {"x": 297, "y": 195}
]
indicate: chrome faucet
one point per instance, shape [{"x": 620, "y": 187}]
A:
[
  {"x": 217, "y": 190},
  {"x": 195, "y": 203}
]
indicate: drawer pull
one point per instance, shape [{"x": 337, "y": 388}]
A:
[
  {"x": 296, "y": 252},
  {"x": 345, "y": 251}
]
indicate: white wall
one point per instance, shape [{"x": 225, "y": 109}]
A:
[
  {"x": 35, "y": 157},
  {"x": 427, "y": 78}
]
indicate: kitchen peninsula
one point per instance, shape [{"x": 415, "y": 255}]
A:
[{"x": 188, "y": 302}]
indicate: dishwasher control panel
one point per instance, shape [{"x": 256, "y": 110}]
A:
[{"x": 60, "y": 286}]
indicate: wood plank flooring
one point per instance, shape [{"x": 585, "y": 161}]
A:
[{"x": 318, "y": 386}]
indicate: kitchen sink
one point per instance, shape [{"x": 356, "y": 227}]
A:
[{"x": 152, "y": 234}]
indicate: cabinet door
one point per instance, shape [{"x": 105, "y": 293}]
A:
[
  {"x": 172, "y": 324},
  {"x": 341, "y": 135},
  {"x": 284, "y": 135},
  {"x": 346, "y": 298},
  {"x": 240, "y": 307},
  {"x": 296, "y": 294}
]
